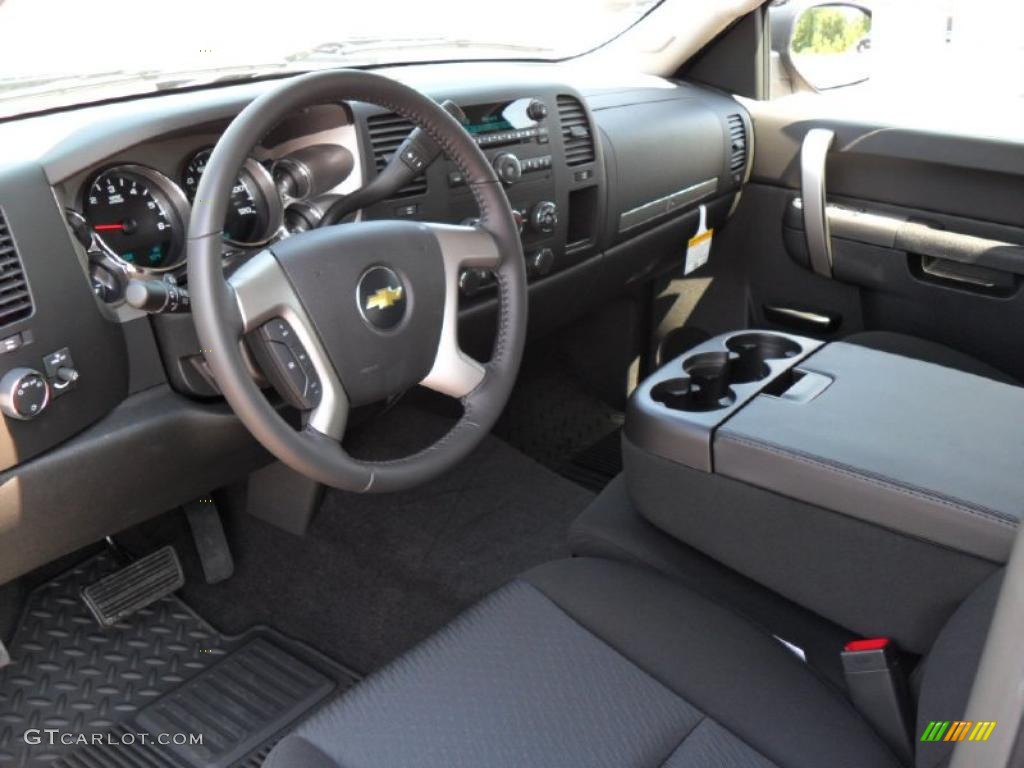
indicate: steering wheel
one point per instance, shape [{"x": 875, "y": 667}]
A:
[{"x": 355, "y": 313}]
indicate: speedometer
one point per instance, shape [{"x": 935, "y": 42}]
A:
[
  {"x": 254, "y": 210},
  {"x": 140, "y": 215}
]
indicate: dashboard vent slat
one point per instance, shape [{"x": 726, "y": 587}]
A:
[
  {"x": 737, "y": 143},
  {"x": 15, "y": 299},
  {"x": 387, "y": 132},
  {"x": 576, "y": 133}
]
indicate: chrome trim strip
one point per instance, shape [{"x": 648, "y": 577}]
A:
[
  {"x": 455, "y": 373},
  {"x": 642, "y": 214}
]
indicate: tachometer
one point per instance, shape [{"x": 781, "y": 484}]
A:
[
  {"x": 140, "y": 215},
  {"x": 254, "y": 212}
]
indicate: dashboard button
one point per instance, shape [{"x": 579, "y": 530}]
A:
[{"x": 10, "y": 343}]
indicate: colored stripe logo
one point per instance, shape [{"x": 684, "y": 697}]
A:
[{"x": 958, "y": 730}]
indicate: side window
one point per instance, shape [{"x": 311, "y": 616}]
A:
[{"x": 939, "y": 59}]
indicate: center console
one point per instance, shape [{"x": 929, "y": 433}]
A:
[{"x": 874, "y": 489}]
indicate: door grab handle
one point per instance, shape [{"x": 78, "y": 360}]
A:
[
  {"x": 958, "y": 272},
  {"x": 813, "y": 154}
]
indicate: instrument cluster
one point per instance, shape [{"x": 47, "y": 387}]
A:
[
  {"x": 141, "y": 215},
  {"x": 138, "y": 216}
]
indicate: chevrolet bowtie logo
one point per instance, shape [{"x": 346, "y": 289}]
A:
[{"x": 384, "y": 298}]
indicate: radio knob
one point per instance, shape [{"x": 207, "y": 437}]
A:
[
  {"x": 544, "y": 217},
  {"x": 24, "y": 393},
  {"x": 537, "y": 110},
  {"x": 508, "y": 168}
]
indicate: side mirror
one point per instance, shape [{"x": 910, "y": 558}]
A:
[{"x": 830, "y": 45}]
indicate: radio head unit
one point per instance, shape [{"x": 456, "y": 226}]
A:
[{"x": 505, "y": 122}]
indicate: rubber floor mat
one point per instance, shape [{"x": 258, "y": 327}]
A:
[
  {"x": 77, "y": 695},
  {"x": 596, "y": 465}
]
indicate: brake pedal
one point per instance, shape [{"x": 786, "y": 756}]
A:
[
  {"x": 5, "y": 656},
  {"x": 211, "y": 543},
  {"x": 134, "y": 587}
]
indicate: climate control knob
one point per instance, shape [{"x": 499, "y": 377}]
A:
[
  {"x": 544, "y": 217},
  {"x": 539, "y": 263},
  {"x": 508, "y": 168},
  {"x": 24, "y": 393}
]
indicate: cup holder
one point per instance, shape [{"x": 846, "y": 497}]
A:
[
  {"x": 754, "y": 350},
  {"x": 705, "y": 387}
]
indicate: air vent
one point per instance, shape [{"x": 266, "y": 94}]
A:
[
  {"x": 737, "y": 143},
  {"x": 15, "y": 300},
  {"x": 386, "y": 133},
  {"x": 576, "y": 135}
]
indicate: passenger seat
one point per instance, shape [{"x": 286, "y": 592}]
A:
[{"x": 589, "y": 662}]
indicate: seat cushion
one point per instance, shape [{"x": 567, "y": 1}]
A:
[
  {"x": 929, "y": 352},
  {"x": 612, "y": 528},
  {"x": 589, "y": 662}
]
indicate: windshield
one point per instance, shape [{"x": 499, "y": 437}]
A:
[{"x": 59, "y": 52}]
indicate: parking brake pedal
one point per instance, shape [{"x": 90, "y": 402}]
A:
[
  {"x": 211, "y": 543},
  {"x": 134, "y": 587}
]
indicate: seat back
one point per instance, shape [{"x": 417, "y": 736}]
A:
[{"x": 950, "y": 669}]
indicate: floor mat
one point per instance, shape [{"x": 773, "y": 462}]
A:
[
  {"x": 375, "y": 574},
  {"x": 597, "y": 464},
  {"x": 162, "y": 670},
  {"x": 551, "y": 415}
]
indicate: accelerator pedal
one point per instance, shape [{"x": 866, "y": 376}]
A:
[{"x": 134, "y": 587}]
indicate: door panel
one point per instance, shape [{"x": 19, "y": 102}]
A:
[{"x": 927, "y": 234}]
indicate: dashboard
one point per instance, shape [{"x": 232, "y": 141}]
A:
[{"x": 110, "y": 414}]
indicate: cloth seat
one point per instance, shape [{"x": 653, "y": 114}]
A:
[
  {"x": 589, "y": 662},
  {"x": 928, "y": 351},
  {"x": 611, "y": 528}
]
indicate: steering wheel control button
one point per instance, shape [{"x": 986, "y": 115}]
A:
[
  {"x": 382, "y": 298},
  {"x": 24, "y": 393},
  {"x": 287, "y": 365}
]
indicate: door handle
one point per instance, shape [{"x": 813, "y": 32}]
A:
[{"x": 813, "y": 154}]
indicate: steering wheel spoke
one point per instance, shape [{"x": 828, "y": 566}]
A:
[
  {"x": 454, "y": 372},
  {"x": 269, "y": 307}
]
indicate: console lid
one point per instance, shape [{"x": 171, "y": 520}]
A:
[{"x": 885, "y": 442}]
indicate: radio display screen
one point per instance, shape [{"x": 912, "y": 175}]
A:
[{"x": 493, "y": 118}]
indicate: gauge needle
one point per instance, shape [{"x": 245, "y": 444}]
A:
[{"x": 108, "y": 227}]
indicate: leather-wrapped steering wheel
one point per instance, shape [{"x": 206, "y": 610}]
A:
[{"x": 367, "y": 310}]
